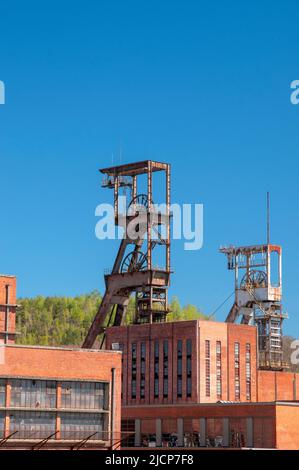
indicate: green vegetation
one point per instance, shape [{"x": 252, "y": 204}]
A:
[{"x": 56, "y": 321}]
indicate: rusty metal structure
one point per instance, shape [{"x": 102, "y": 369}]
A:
[
  {"x": 146, "y": 227},
  {"x": 258, "y": 294}
]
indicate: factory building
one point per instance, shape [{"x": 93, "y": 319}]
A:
[
  {"x": 197, "y": 383},
  {"x": 193, "y": 383},
  {"x": 155, "y": 383},
  {"x": 57, "y": 398}
]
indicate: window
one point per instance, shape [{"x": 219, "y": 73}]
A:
[
  {"x": 237, "y": 371},
  {"x": 248, "y": 371},
  {"x": 32, "y": 424},
  {"x": 84, "y": 395},
  {"x": 156, "y": 369},
  {"x": 134, "y": 371},
  {"x": 218, "y": 370},
  {"x": 121, "y": 348},
  {"x": 142, "y": 369},
  {"x": 189, "y": 367},
  {"x": 28, "y": 393},
  {"x": 83, "y": 425},
  {"x": 2, "y": 392},
  {"x": 2, "y": 418},
  {"x": 208, "y": 368},
  {"x": 179, "y": 368},
  {"x": 165, "y": 369},
  {"x": 128, "y": 432}
]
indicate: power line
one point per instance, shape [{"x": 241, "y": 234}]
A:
[{"x": 221, "y": 305}]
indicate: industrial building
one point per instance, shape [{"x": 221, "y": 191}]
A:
[
  {"x": 155, "y": 383},
  {"x": 193, "y": 383},
  {"x": 55, "y": 398},
  {"x": 197, "y": 383}
]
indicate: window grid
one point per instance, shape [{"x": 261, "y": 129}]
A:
[
  {"x": 189, "y": 367},
  {"x": 27, "y": 393},
  {"x": 2, "y": 421},
  {"x": 165, "y": 369},
  {"x": 208, "y": 367},
  {"x": 2, "y": 392},
  {"x": 82, "y": 425},
  {"x": 134, "y": 371},
  {"x": 248, "y": 371},
  {"x": 179, "y": 368},
  {"x": 84, "y": 395},
  {"x": 121, "y": 348},
  {"x": 156, "y": 369},
  {"x": 237, "y": 371},
  {"x": 218, "y": 370},
  {"x": 32, "y": 424},
  {"x": 142, "y": 369}
]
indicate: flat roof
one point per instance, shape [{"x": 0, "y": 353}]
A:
[
  {"x": 132, "y": 169},
  {"x": 58, "y": 348},
  {"x": 232, "y": 403}
]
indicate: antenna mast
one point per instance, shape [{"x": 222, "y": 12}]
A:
[{"x": 268, "y": 218}]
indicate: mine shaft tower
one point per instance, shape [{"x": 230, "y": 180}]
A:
[
  {"x": 146, "y": 233},
  {"x": 258, "y": 294}
]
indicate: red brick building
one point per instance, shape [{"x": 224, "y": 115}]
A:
[
  {"x": 55, "y": 397},
  {"x": 198, "y": 383}
]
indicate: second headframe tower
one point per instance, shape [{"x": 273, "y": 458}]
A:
[
  {"x": 146, "y": 227},
  {"x": 258, "y": 294}
]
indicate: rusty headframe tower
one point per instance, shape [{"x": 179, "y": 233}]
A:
[
  {"x": 146, "y": 227},
  {"x": 258, "y": 294}
]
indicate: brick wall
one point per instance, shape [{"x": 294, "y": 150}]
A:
[
  {"x": 212, "y": 332},
  {"x": 149, "y": 334},
  {"x": 242, "y": 334},
  {"x": 287, "y": 429},
  {"x": 198, "y": 332},
  {"x": 273, "y": 386},
  {"x": 7, "y": 285},
  {"x": 64, "y": 364}
]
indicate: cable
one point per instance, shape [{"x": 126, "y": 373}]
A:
[{"x": 221, "y": 305}]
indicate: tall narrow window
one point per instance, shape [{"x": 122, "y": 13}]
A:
[
  {"x": 218, "y": 370},
  {"x": 237, "y": 371},
  {"x": 189, "y": 367},
  {"x": 165, "y": 369},
  {"x": 142, "y": 369},
  {"x": 208, "y": 368},
  {"x": 179, "y": 368},
  {"x": 121, "y": 348},
  {"x": 134, "y": 370},
  {"x": 248, "y": 372},
  {"x": 156, "y": 369}
]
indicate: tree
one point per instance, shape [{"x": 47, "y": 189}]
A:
[{"x": 57, "y": 321}]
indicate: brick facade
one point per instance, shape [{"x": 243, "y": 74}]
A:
[
  {"x": 7, "y": 308},
  {"x": 263, "y": 412},
  {"x": 201, "y": 334},
  {"x": 256, "y": 386},
  {"x": 258, "y": 425},
  {"x": 63, "y": 366},
  {"x": 23, "y": 367}
]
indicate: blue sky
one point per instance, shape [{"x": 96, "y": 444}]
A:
[{"x": 202, "y": 85}]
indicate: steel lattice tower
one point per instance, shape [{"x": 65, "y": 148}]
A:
[{"x": 145, "y": 229}]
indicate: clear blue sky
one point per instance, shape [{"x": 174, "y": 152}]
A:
[{"x": 202, "y": 85}]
